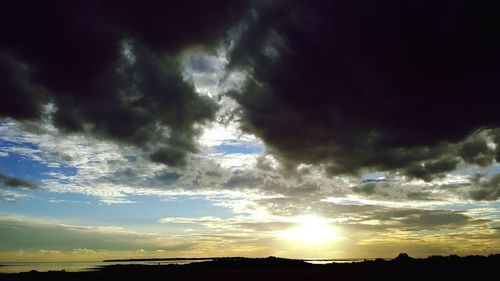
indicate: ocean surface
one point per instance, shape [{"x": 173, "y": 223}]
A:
[{"x": 15, "y": 267}]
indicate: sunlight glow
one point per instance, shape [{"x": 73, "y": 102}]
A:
[{"x": 311, "y": 230}]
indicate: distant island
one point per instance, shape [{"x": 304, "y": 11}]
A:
[{"x": 403, "y": 267}]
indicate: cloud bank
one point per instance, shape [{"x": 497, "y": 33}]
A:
[
  {"x": 369, "y": 86},
  {"x": 111, "y": 69}
]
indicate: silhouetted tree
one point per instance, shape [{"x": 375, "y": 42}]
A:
[{"x": 403, "y": 257}]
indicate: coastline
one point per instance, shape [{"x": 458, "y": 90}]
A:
[{"x": 401, "y": 268}]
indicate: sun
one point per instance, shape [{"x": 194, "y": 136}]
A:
[{"x": 311, "y": 230}]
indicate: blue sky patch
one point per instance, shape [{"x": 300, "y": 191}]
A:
[
  {"x": 238, "y": 148},
  {"x": 22, "y": 166}
]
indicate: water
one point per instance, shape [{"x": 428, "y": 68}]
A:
[
  {"x": 328, "y": 261},
  {"x": 15, "y": 267}
]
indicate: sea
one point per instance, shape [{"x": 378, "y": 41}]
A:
[{"x": 16, "y": 267}]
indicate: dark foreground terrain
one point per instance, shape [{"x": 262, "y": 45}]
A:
[{"x": 400, "y": 268}]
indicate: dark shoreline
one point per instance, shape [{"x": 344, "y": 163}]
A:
[{"x": 234, "y": 269}]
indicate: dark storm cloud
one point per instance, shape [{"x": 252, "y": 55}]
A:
[
  {"x": 370, "y": 85},
  {"x": 111, "y": 68},
  {"x": 477, "y": 151},
  {"x": 426, "y": 170},
  {"x": 495, "y": 135},
  {"x": 485, "y": 189},
  {"x": 14, "y": 182},
  {"x": 20, "y": 99}
]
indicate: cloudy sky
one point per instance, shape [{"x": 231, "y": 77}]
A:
[{"x": 325, "y": 129}]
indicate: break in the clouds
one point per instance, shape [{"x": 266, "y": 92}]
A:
[{"x": 369, "y": 86}]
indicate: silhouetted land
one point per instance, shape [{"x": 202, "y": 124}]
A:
[{"x": 235, "y": 269}]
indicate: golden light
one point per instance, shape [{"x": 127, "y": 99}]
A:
[{"x": 312, "y": 230}]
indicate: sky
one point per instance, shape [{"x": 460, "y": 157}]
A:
[{"x": 299, "y": 129}]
